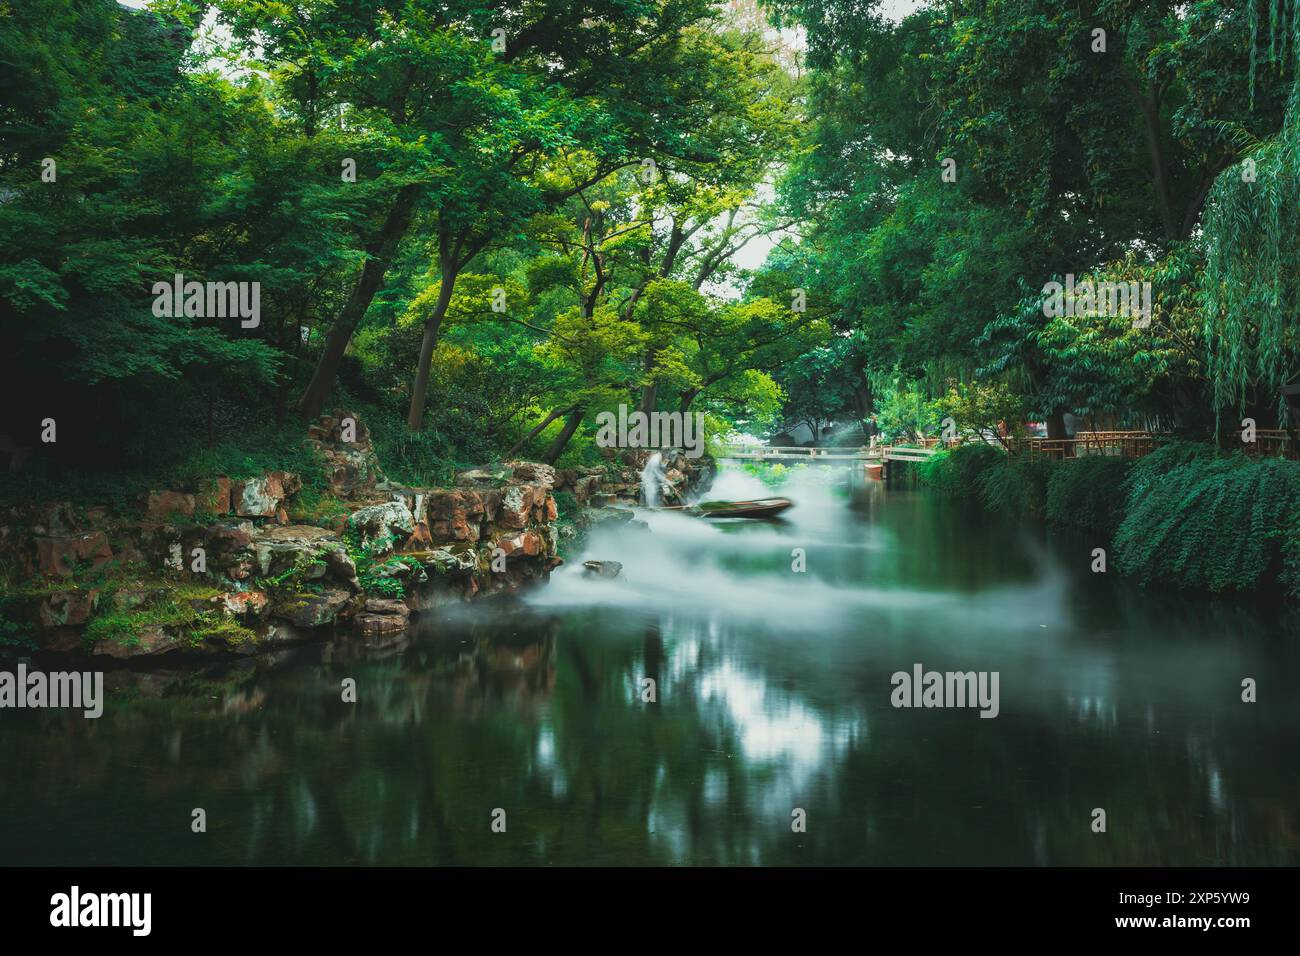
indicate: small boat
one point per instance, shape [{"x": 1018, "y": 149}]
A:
[{"x": 762, "y": 508}]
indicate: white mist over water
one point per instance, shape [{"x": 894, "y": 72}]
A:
[
  {"x": 735, "y": 567},
  {"x": 741, "y": 570}
]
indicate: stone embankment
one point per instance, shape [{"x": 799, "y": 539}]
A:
[{"x": 235, "y": 567}]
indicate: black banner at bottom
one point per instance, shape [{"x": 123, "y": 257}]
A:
[{"x": 335, "y": 905}]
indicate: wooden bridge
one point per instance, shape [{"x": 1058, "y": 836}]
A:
[
  {"x": 828, "y": 456},
  {"x": 1269, "y": 442}
]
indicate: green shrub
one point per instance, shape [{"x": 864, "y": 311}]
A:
[
  {"x": 1150, "y": 470},
  {"x": 955, "y": 472},
  {"x": 1218, "y": 523},
  {"x": 374, "y": 561},
  {"x": 1014, "y": 485},
  {"x": 1289, "y": 576},
  {"x": 1087, "y": 493}
]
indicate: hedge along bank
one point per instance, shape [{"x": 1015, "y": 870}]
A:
[{"x": 1187, "y": 515}]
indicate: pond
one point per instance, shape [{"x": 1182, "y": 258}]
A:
[{"x": 528, "y": 732}]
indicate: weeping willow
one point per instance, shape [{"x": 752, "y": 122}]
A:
[
  {"x": 1283, "y": 32},
  {"x": 1251, "y": 284}
]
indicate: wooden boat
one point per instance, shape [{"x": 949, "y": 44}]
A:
[
  {"x": 762, "y": 508},
  {"x": 875, "y": 470}
]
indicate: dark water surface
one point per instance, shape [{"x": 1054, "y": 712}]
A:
[{"x": 773, "y": 693}]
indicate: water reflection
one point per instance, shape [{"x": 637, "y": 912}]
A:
[{"x": 771, "y": 693}]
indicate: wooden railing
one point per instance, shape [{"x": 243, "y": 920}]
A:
[
  {"x": 920, "y": 451},
  {"x": 1130, "y": 444},
  {"x": 778, "y": 452},
  {"x": 1269, "y": 442}
]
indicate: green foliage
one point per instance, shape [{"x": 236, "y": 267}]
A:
[
  {"x": 172, "y": 612},
  {"x": 1013, "y": 485},
  {"x": 376, "y": 563},
  {"x": 1088, "y": 493},
  {"x": 904, "y": 413},
  {"x": 1151, "y": 470},
  {"x": 248, "y": 449},
  {"x": 1250, "y": 288},
  {"x": 956, "y": 472},
  {"x": 983, "y": 408},
  {"x": 1218, "y": 524}
]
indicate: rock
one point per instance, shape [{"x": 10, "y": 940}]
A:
[
  {"x": 421, "y": 537},
  {"x": 147, "y": 642},
  {"x": 583, "y": 487},
  {"x": 482, "y": 477},
  {"x": 279, "y": 548},
  {"x": 310, "y": 609},
  {"x": 602, "y": 569},
  {"x": 263, "y": 497},
  {"x": 163, "y": 505},
  {"x": 615, "y": 515},
  {"x": 381, "y": 618},
  {"x": 446, "y": 561},
  {"x": 58, "y": 556},
  {"x": 245, "y": 605},
  {"x": 455, "y": 515},
  {"x": 229, "y": 547},
  {"x": 54, "y": 518},
  {"x": 280, "y": 633},
  {"x": 341, "y": 567},
  {"x": 129, "y": 600},
  {"x": 402, "y": 571},
  {"x": 533, "y": 471},
  {"x": 377, "y": 522},
  {"x": 527, "y": 543},
  {"x": 69, "y": 607},
  {"x": 214, "y": 496},
  {"x": 516, "y": 504},
  {"x": 351, "y": 466}
]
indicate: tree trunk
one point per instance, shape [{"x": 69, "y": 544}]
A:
[
  {"x": 1150, "y": 103},
  {"x": 415, "y": 418},
  {"x": 687, "y": 399},
  {"x": 379, "y": 255},
  {"x": 535, "y": 432},
  {"x": 562, "y": 439},
  {"x": 1056, "y": 431},
  {"x": 650, "y": 393}
]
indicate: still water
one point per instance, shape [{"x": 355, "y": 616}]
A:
[{"x": 772, "y": 692}]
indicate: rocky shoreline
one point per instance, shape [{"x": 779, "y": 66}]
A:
[{"x": 237, "y": 568}]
